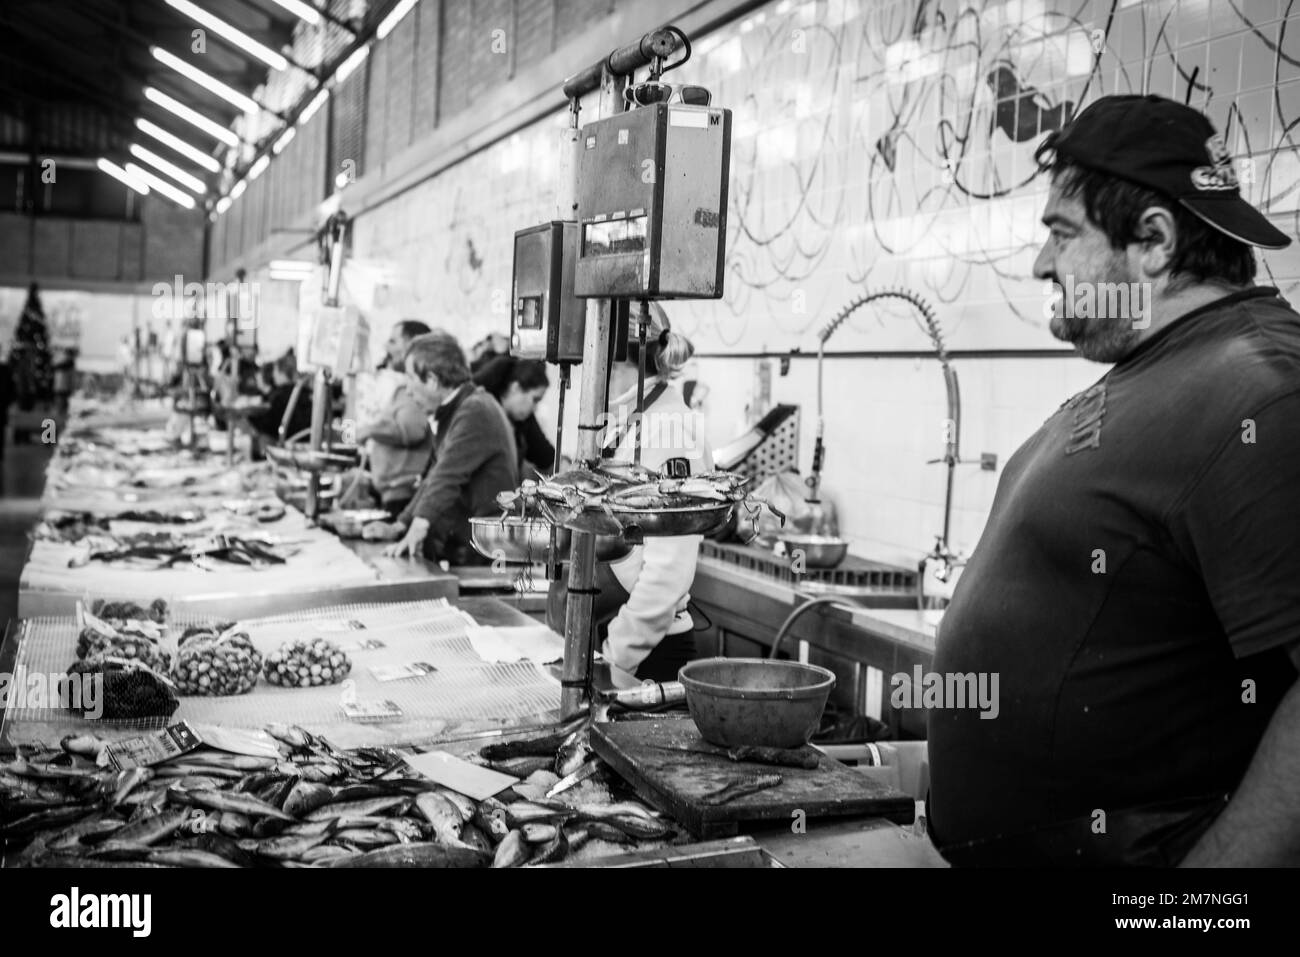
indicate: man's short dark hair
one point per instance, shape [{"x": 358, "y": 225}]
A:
[
  {"x": 410, "y": 328},
  {"x": 1114, "y": 205},
  {"x": 439, "y": 355}
]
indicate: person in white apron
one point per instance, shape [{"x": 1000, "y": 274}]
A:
[{"x": 642, "y": 624}]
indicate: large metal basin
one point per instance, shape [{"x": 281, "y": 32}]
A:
[
  {"x": 753, "y": 701},
  {"x": 528, "y": 541}
]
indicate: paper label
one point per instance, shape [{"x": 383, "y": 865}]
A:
[
  {"x": 331, "y": 626},
  {"x": 150, "y": 749},
  {"x": 372, "y": 711},
  {"x": 458, "y": 774},
  {"x": 688, "y": 118},
  {"x": 369, "y": 644},
  {"x": 415, "y": 669}
]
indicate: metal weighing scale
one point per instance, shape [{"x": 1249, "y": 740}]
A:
[
  {"x": 337, "y": 332},
  {"x": 640, "y": 215}
]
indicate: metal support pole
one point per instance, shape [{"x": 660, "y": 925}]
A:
[
  {"x": 320, "y": 401},
  {"x": 578, "y": 632}
]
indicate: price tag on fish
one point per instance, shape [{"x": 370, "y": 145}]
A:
[
  {"x": 149, "y": 749},
  {"x": 357, "y": 710},
  {"x": 369, "y": 644},
  {"x": 328, "y": 626},
  {"x": 416, "y": 669}
]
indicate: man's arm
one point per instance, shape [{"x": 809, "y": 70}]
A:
[
  {"x": 1239, "y": 526},
  {"x": 1259, "y": 827},
  {"x": 667, "y": 572},
  {"x": 403, "y": 424}
]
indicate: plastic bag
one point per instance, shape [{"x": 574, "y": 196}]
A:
[
  {"x": 216, "y": 661},
  {"x": 130, "y": 689}
]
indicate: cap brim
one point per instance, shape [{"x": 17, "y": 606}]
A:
[{"x": 1233, "y": 216}]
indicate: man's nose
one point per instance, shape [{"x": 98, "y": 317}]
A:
[{"x": 1043, "y": 266}]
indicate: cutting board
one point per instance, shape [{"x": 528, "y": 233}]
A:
[{"x": 676, "y": 781}]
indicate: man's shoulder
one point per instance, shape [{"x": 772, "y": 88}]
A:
[
  {"x": 1244, "y": 356},
  {"x": 481, "y": 407}
]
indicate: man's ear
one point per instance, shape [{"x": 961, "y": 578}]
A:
[{"x": 1158, "y": 239}]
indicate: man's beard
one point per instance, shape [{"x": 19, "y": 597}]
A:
[
  {"x": 1096, "y": 337},
  {"x": 1100, "y": 340}
]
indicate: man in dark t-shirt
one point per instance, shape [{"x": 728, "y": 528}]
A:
[{"x": 1137, "y": 587}]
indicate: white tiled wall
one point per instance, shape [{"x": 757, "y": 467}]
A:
[{"x": 845, "y": 112}]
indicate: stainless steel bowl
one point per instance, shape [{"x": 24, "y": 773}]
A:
[
  {"x": 640, "y": 523},
  {"x": 819, "y": 551},
  {"x": 752, "y": 701},
  {"x": 302, "y": 457},
  {"x": 527, "y": 541}
]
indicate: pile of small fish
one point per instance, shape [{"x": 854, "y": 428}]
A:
[
  {"x": 301, "y": 663},
  {"x": 162, "y": 550},
  {"x": 315, "y": 806}
]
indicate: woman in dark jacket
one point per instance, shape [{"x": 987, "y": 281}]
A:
[{"x": 519, "y": 385}]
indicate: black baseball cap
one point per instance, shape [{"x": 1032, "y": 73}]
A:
[{"x": 1170, "y": 148}]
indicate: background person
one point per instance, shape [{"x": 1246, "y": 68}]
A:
[
  {"x": 474, "y": 458},
  {"x": 400, "y": 437},
  {"x": 520, "y": 385},
  {"x": 643, "y": 626}
]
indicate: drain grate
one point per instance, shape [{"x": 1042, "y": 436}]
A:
[{"x": 858, "y": 574}]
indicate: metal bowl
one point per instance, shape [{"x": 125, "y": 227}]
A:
[
  {"x": 302, "y": 457},
  {"x": 636, "y": 524},
  {"x": 752, "y": 701},
  {"x": 819, "y": 551},
  {"x": 528, "y": 540}
]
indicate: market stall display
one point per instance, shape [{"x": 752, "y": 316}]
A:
[
  {"x": 413, "y": 671},
  {"x": 299, "y": 801}
]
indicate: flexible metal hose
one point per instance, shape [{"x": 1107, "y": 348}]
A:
[
  {"x": 935, "y": 332},
  {"x": 794, "y": 616}
]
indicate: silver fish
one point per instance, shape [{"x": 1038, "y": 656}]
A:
[
  {"x": 464, "y": 805},
  {"x": 228, "y": 801},
  {"x": 439, "y": 811},
  {"x": 188, "y": 857},
  {"x": 325, "y": 853},
  {"x": 305, "y": 797},
  {"x": 97, "y": 825},
  {"x": 512, "y": 851},
  {"x": 574, "y": 752},
  {"x": 417, "y": 855},
  {"x": 126, "y": 782},
  {"x": 367, "y": 807},
  {"x": 366, "y": 839},
  {"x": 291, "y": 848},
  {"x": 149, "y": 830}
]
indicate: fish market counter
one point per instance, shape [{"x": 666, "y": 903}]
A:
[
  {"x": 524, "y": 589},
  {"x": 744, "y": 610},
  {"x": 418, "y": 671},
  {"x": 467, "y": 692},
  {"x": 319, "y": 569}
]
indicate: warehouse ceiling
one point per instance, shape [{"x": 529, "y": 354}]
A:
[{"x": 73, "y": 72}]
